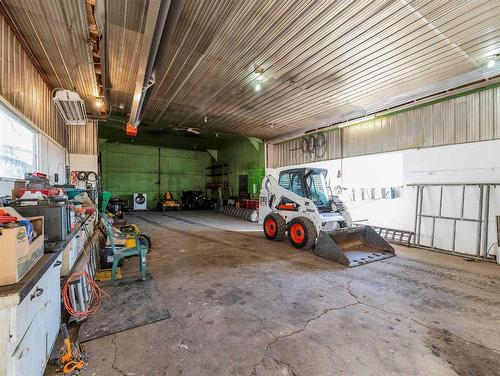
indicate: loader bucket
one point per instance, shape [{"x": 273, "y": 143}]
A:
[{"x": 353, "y": 246}]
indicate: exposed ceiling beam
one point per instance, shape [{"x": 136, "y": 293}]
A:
[
  {"x": 156, "y": 10},
  {"x": 162, "y": 40}
]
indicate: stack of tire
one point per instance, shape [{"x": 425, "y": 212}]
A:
[{"x": 236, "y": 212}]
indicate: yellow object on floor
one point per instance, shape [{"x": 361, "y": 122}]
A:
[{"x": 105, "y": 274}]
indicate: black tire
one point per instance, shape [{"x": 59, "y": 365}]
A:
[
  {"x": 145, "y": 239},
  {"x": 302, "y": 233},
  {"x": 276, "y": 222}
]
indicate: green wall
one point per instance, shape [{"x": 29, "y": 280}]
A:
[
  {"x": 130, "y": 168},
  {"x": 245, "y": 156},
  {"x": 127, "y": 169}
]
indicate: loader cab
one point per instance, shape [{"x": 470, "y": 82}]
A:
[{"x": 309, "y": 183}]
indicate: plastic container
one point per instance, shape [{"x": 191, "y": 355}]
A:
[{"x": 73, "y": 192}]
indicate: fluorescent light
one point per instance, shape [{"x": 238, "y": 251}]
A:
[
  {"x": 258, "y": 87},
  {"x": 70, "y": 106},
  {"x": 491, "y": 63},
  {"x": 258, "y": 76},
  {"x": 357, "y": 121}
]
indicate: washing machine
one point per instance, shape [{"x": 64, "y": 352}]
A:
[{"x": 140, "y": 201}]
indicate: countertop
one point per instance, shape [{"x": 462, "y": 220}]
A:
[{"x": 18, "y": 291}]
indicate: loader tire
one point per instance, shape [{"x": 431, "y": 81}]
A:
[
  {"x": 274, "y": 227},
  {"x": 302, "y": 233}
]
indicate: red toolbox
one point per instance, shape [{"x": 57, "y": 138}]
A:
[{"x": 250, "y": 203}]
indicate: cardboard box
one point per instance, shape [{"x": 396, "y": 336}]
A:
[{"x": 17, "y": 254}]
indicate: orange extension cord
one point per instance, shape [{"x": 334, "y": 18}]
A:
[{"x": 95, "y": 295}]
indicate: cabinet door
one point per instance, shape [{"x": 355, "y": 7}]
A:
[
  {"x": 51, "y": 312},
  {"x": 29, "y": 357}
]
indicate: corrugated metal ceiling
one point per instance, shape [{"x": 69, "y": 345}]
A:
[
  {"x": 56, "y": 32},
  {"x": 321, "y": 60}
]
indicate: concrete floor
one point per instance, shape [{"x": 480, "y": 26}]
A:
[{"x": 242, "y": 305}]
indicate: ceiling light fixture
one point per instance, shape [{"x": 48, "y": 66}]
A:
[
  {"x": 98, "y": 102},
  {"x": 70, "y": 106},
  {"x": 258, "y": 87},
  {"x": 258, "y": 74},
  {"x": 206, "y": 119},
  {"x": 491, "y": 63}
]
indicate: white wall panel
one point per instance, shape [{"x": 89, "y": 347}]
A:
[
  {"x": 51, "y": 158},
  {"x": 465, "y": 163},
  {"x": 83, "y": 162}
]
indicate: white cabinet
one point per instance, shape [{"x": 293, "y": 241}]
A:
[
  {"x": 29, "y": 358},
  {"x": 51, "y": 309},
  {"x": 29, "y": 320}
]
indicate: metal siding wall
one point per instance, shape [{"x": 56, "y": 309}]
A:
[
  {"x": 460, "y": 110},
  {"x": 486, "y": 115},
  {"x": 24, "y": 88},
  {"x": 470, "y": 118},
  {"x": 83, "y": 139},
  {"x": 496, "y": 113},
  {"x": 473, "y": 117},
  {"x": 242, "y": 157},
  {"x": 290, "y": 152},
  {"x": 181, "y": 170}
]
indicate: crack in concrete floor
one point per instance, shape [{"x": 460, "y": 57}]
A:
[
  {"x": 115, "y": 353},
  {"x": 288, "y": 335},
  {"x": 357, "y": 301}
]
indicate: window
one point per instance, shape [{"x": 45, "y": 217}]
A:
[
  {"x": 316, "y": 184},
  {"x": 292, "y": 181},
  {"x": 17, "y": 146}
]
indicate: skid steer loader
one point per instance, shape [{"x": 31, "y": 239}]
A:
[{"x": 300, "y": 205}]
